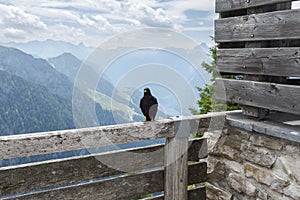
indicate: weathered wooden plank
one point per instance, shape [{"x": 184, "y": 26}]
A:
[
  {"x": 18, "y": 179},
  {"x": 198, "y": 193},
  {"x": 260, "y": 61},
  {"x": 284, "y": 98},
  {"x": 232, "y": 5},
  {"x": 256, "y": 10},
  {"x": 115, "y": 188},
  {"x": 277, "y": 25},
  {"x": 51, "y": 142},
  {"x": 41, "y": 143},
  {"x": 176, "y": 168}
]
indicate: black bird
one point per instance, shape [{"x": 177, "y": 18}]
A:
[{"x": 148, "y": 105}]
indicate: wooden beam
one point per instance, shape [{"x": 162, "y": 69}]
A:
[
  {"x": 59, "y": 141},
  {"x": 176, "y": 170},
  {"x": 260, "y": 61},
  {"x": 278, "y": 97},
  {"x": 18, "y": 179},
  {"x": 279, "y": 25},
  {"x": 232, "y": 5},
  {"x": 124, "y": 187}
]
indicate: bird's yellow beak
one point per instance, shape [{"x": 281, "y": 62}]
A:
[{"x": 145, "y": 91}]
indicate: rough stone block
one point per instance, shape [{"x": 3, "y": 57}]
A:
[
  {"x": 260, "y": 156},
  {"x": 292, "y": 149},
  {"x": 232, "y": 166},
  {"x": 243, "y": 135},
  {"x": 212, "y": 139},
  {"x": 265, "y": 176},
  {"x": 236, "y": 142},
  {"x": 230, "y": 153},
  {"x": 267, "y": 142},
  {"x": 216, "y": 170},
  {"x": 262, "y": 194},
  {"x": 241, "y": 185},
  {"x": 293, "y": 191},
  {"x": 291, "y": 165},
  {"x": 265, "y": 193},
  {"x": 214, "y": 193}
]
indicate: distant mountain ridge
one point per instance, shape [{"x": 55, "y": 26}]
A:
[
  {"x": 35, "y": 97},
  {"x": 35, "y": 70},
  {"x": 67, "y": 64},
  {"x": 51, "y": 48}
]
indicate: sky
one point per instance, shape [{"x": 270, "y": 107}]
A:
[{"x": 93, "y": 21}]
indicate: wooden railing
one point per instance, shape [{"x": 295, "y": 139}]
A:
[
  {"x": 260, "y": 40},
  {"x": 166, "y": 169}
]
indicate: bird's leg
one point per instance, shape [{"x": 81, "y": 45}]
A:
[
  {"x": 145, "y": 120},
  {"x": 152, "y": 119}
]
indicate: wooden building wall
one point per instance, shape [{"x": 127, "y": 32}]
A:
[{"x": 259, "y": 40}]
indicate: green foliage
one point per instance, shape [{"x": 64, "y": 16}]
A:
[
  {"x": 207, "y": 102},
  {"x": 26, "y": 107},
  {"x": 198, "y": 135}
]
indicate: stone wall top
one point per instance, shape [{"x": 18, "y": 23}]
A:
[{"x": 280, "y": 125}]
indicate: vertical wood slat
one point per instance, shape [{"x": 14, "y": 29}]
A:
[
  {"x": 176, "y": 172},
  {"x": 258, "y": 112},
  {"x": 247, "y": 110},
  {"x": 176, "y": 163}
]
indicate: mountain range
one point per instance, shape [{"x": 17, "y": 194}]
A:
[
  {"x": 51, "y": 48},
  {"x": 37, "y": 80},
  {"x": 35, "y": 97}
]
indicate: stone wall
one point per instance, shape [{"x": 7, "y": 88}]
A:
[{"x": 249, "y": 165}]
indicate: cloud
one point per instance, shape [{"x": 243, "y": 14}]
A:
[
  {"x": 92, "y": 19},
  {"x": 151, "y": 17},
  {"x": 55, "y": 15},
  {"x": 14, "y": 33},
  {"x": 15, "y": 18},
  {"x": 203, "y": 28},
  {"x": 98, "y": 22},
  {"x": 67, "y": 33},
  {"x": 181, "y": 6}
]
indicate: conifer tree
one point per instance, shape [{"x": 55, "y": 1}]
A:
[{"x": 207, "y": 102}]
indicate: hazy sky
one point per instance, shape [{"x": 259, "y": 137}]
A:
[{"x": 91, "y": 21}]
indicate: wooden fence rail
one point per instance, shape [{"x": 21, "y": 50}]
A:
[
  {"x": 260, "y": 41},
  {"x": 166, "y": 169}
]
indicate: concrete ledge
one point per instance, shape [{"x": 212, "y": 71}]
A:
[{"x": 280, "y": 125}]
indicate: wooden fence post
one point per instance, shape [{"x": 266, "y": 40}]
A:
[{"x": 176, "y": 162}]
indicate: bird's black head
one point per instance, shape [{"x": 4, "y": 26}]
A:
[{"x": 147, "y": 91}]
